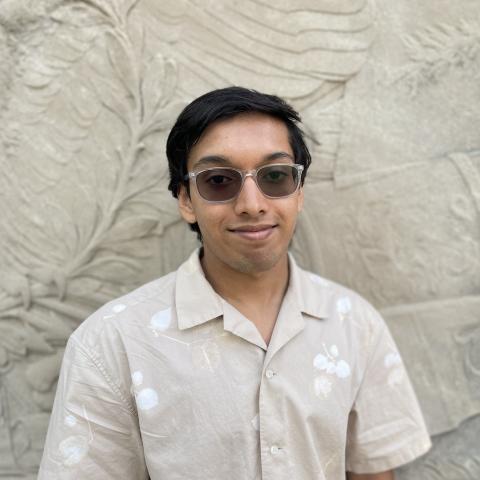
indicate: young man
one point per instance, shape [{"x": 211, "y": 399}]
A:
[{"x": 240, "y": 365}]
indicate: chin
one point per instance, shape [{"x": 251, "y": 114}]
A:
[{"x": 255, "y": 262}]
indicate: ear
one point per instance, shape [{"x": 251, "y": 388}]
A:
[
  {"x": 185, "y": 206},
  {"x": 300, "y": 199}
]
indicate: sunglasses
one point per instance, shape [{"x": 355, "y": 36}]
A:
[{"x": 223, "y": 184}]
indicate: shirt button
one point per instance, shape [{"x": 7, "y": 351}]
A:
[
  {"x": 269, "y": 373},
  {"x": 274, "y": 450}
]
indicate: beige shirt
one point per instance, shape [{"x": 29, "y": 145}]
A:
[{"x": 172, "y": 382}]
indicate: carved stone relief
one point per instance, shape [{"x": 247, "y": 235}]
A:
[
  {"x": 455, "y": 456},
  {"x": 401, "y": 222},
  {"x": 389, "y": 96}
]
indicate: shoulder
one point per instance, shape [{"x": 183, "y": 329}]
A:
[
  {"x": 100, "y": 350},
  {"x": 348, "y": 321},
  {"x": 337, "y": 302},
  {"x": 117, "y": 318}
]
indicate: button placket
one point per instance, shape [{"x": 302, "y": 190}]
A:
[{"x": 272, "y": 455}]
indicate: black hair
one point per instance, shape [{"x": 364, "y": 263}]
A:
[{"x": 221, "y": 104}]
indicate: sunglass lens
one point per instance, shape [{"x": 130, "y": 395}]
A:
[
  {"x": 278, "y": 180},
  {"x": 219, "y": 184}
]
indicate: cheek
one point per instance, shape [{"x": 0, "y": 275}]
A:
[
  {"x": 290, "y": 211},
  {"x": 210, "y": 219},
  {"x": 300, "y": 202}
]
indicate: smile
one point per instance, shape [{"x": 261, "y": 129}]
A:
[{"x": 254, "y": 232}]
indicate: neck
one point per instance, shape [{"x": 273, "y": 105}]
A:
[{"x": 260, "y": 288}]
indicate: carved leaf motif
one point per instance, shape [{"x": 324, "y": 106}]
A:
[
  {"x": 115, "y": 94},
  {"x": 86, "y": 123},
  {"x": 3, "y": 362},
  {"x": 436, "y": 49},
  {"x": 36, "y": 343},
  {"x": 42, "y": 374},
  {"x": 130, "y": 229},
  {"x": 158, "y": 86},
  {"x": 16, "y": 343},
  {"x": 470, "y": 338},
  {"x": 125, "y": 71},
  {"x": 311, "y": 42},
  {"x": 12, "y": 341},
  {"x": 53, "y": 329},
  {"x": 82, "y": 133}
]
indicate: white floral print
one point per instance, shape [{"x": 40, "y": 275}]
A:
[
  {"x": 256, "y": 422},
  {"x": 344, "y": 306},
  {"x": 319, "y": 280},
  {"x": 206, "y": 355},
  {"x": 137, "y": 378},
  {"x": 322, "y": 386},
  {"x": 396, "y": 374},
  {"x": 391, "y": 359},
  {"x": 119, "y": 307},
  {"x": 330, "y": 363},
  {"x": 146, "y": 398},
  {"x": 70, "y": 421},
  {"x": 73, "y": 449},
  {"x": 161, "y": 320},
  {"x": 331, "y": 366}
]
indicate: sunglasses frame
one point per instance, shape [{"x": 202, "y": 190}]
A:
[{"x": 244, "y": 174}]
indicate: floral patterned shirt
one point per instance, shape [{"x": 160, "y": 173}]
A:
[{"x": 172, "y": 382}]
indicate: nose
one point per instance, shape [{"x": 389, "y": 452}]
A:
[{"x": 250, "y": 200}]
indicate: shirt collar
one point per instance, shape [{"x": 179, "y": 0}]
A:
[
  {"x": 312, "y": 292},
  {"x": 197, "y": 302},
  {"x": 302, "y": 297}
]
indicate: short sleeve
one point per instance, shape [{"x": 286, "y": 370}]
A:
[
  {"x": 386, "y": 427},
  {"x": 93, "y": 431}
]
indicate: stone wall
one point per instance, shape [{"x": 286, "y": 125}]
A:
[{"x": 389, "y": 94}]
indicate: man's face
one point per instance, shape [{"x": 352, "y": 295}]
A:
[{"x": 230, "y": 230}]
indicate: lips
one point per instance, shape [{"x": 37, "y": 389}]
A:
[{"x": 253, "y": 232}]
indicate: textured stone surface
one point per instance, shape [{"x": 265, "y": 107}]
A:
[
  {"x": 389, "y": 94},
  {"x": 454, "y": 456}
]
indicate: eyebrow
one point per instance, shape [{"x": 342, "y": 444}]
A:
[{"x": 225, "y": 161}]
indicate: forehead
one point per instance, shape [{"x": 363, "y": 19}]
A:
[{"x": 244, "y": 137}]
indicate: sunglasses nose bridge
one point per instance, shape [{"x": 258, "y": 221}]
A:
[{"x": 250, "y": 173}]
